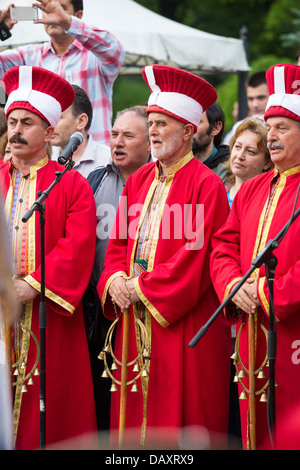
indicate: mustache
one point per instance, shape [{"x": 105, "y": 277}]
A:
[
  {"x": 275, "y": 143},
  {"x": 119, "y": 149},
  {"x": 17, "y": 139}
]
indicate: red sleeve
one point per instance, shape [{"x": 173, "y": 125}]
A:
[
  {"x": 225, "y": 266},
  {"x": 176, "y": 286},
  {"x": 286, "y": 292},
  {"x": 69, "y": 263}
]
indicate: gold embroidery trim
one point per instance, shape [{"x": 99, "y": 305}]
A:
[
  {"x": 149, "y": 308},
  {"x": 108, "y": 283},
  {"x": 147, "y": 319},
  {"x": 291, "y": 171},
  {"x": 154, "y": 312},
  {"x": 51, "y": 295},
  {"x": 22, "y": 372},
  {"x": 31, "y": 268},
  {"x": 230, "y": 286},
  {"x": 262, "y": 295},
  {"x": 262, "y": 232}
]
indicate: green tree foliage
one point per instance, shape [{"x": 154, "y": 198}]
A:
[
  {"x": 293, "y": 39},
  {"x": 266, "y": 20},
  {"x": 273, "y": 28}
]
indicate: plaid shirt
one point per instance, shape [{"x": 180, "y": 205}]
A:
[{"x": 92, "y": 62}]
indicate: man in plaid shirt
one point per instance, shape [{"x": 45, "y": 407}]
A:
[{"x": 84, "y": 55}]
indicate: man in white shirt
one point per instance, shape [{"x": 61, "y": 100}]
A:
[{"x": 89, "y": 155}]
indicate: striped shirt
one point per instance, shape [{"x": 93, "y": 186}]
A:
[{"x": 92, "y": 62}]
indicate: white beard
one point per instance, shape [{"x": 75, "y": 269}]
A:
[{"x": 169, "y": 146}]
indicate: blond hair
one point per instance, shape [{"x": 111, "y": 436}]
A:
[{"x": 257, "y": 126}]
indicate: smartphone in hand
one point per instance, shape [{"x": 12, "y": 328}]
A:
[{"x": 23, "y": 13}]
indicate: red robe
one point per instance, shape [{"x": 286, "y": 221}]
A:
[
  {"x": 69, "y": 248},
  {"x": 234, "y": 247},
  {"x": 185, "y": 387}
]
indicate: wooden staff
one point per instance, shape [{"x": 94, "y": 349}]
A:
[
  {"x": 122, "y": 421},
  {"x": 252, "y": 404}
]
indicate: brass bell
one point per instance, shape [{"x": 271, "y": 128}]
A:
[
  {"x": 263, "y": 397},
  {"x": 134, "y": 387},
  {"x": 23, "y": 365},
  {"x": 101, "y": 356},
  {"x": 136, "y": 367},
  {"x": 16, "y": 372},
  {"x": 241, "y": 374},
  {"x": 24, "y": 389},
  {"x": 146, "y": 354},
  {"x": 261, "y": 374},
  {"x": 235, "y": 379},
  {"x": 114, "y": 366},
  {"x": 105, "y": 374},
  {"x": 114, "y": 387},
  {"x": 243, "y": 396},
  {"x": 36, "y": 372},
  {"x": 106, "y": 349},
  {"x": 30, "y": 381},
  {"x": 235, "y": 356},
  {"x": 276, "y": 383},
  {"x": 145, "y": 372}
]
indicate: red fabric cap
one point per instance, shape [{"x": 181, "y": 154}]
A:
[
  {"x": 43, "y": 81},
  {"x": 292, "y": 90},
  {"x": 172, "y": 79}
]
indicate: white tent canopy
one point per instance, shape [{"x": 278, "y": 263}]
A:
[{"x": 148, "y": 38}]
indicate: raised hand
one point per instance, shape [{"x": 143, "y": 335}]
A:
[
  {"x": 5, "y": 16},
  {"x": 53, "y": 14}
]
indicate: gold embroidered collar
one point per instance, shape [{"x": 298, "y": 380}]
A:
[
  {"x": 33, "y": 168},
  {"x": 183, "y": 161},
  {"x": 289, "y": 172}
]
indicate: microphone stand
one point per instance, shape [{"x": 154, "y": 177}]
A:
[
  {"x": 39, "y": 206},
  {"x": 269, "y": 260}
]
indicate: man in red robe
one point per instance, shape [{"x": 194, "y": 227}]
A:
[
  {"x": 260, "y": 210},
  {"x": 157, "y": 266},
  {"x": 36, "y": 98}
]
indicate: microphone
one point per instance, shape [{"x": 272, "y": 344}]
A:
[{"x": 75, "y": 140}]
